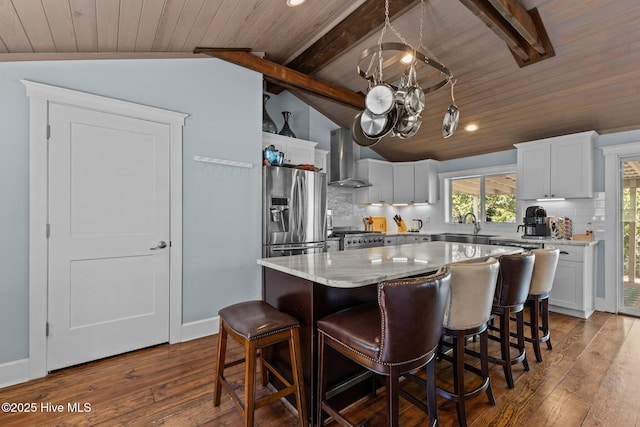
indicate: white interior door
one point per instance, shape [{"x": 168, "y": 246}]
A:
[{"x": 108, "y": 279}]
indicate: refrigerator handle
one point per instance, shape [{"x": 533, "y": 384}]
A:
[{"x": 302, "y": 208}]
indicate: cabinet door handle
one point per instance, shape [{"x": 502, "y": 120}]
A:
[{"x": 564, "y": 253}]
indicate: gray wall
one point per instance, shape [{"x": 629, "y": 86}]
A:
[{"x": 221, "y": 203}]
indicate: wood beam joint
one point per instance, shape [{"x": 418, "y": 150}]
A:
[{"x": 522, "y": 30}]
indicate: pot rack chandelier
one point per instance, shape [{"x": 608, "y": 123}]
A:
[{"x": 395, "y": 108}]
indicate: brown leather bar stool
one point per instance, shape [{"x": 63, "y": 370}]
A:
[
  {"x": 468, "y": 312},
  {"x": 544, "y": 270},
  {"x": 512, "y": 289},
  {"x": 256, "y": 325},
  {"x": 398, "y": 334}
]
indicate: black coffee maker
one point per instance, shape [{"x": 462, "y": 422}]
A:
[{"x": 535, "y": 222}]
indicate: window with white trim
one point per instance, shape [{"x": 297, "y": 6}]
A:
[{"x": 489, "y": 193}]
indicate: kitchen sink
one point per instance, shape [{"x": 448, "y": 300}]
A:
[{"x": 462, "y": 238}]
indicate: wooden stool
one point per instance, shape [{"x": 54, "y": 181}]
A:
[
  {"x": 544, "y": 270},
  {"x": 512, "y": 289},
  {"x": 255, "y": 325},
  {"x": 392, "y": 337},
  {"x": 469, "y": 309}
]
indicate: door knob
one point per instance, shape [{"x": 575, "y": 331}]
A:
[{"x": 161, "y": 245}]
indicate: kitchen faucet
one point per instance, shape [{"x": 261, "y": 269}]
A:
[{"x": 476, "y": 226}]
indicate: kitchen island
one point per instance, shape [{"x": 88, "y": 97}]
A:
[{"x": 312, "y": 286}]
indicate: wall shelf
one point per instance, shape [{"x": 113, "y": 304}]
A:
[{"x": 222, "y": 162}]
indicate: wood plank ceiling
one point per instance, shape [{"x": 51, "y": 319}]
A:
[{"x": 592, "y": 82}]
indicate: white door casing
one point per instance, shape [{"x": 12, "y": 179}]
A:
[
  {"x": 108, "y": 285},
  {"x": 613, "y": 154},
  {"x": 41, "y": 96}
]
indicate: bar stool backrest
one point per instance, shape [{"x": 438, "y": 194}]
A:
[
  {"x": 544, "y": 270},
  {"x": 412, "y": 311},
  {"x": 471, "y": 297},
  {"x": 514, "y": 279}
]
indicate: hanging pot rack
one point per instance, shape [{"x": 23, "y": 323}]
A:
[
  {"x": 395, "y": 108},
  {"x": 401, "y": 49}
]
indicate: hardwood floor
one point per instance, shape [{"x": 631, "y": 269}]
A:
[{"x": 590, "y": 378}]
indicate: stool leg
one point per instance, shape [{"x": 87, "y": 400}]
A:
[
  {"x": 545, "y": 321},
  {"x": 458, "y": 376},
  {"x": 520, "y": 332},
  {"x": 296, "y": 369},
  {"x": 393, "y": 401},
  {"x": 222, "y": 349},
  {"x": 263, "y": 371},
  {"x": 484, "y": 364},
  {"x": 535, "y": 327},
  {"x": 504, "y": 348},
  {"x": 249, "y": 383},
  {"x": 322, "y": 380},
  {"x": 432, "y": 403}
]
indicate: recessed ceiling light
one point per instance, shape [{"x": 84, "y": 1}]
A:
[
  {"x": 294, "y": 3},
  {"x": 407, "y": 59},
  {"x": 471, "y": 127}
]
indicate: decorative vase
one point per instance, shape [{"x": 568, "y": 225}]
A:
[
  {"x": 268, "y": 125},
  {"x": 286, "y": 130}
]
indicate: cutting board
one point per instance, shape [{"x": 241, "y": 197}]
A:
[{"x": 379, "y": 223}]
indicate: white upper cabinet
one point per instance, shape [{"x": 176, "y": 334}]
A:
[
  {"x": 320, "y": 160},
  {"x": 426, "y": 181},
  {"x": 380, "y": 175},
  {"x": 556, "y": 167},
  {"x": 415, "y": 182},
  {"x": 296, "y": 151},
  {"x": 398, "y": 183},
  {"x": 403, "y": 182}
]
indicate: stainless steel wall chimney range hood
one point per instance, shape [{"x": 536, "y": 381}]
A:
[{"x": 343, "y": 168}]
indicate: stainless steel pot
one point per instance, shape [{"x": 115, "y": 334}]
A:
[
  {"x": 407, "y": 124},
  {"x": 359, "y": 136},
  {"x": 380, "y": 99},
  {"x": 450, "y": 122},
  {"x": 377, "y": 126}
]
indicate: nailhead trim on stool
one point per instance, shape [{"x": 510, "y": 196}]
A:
[{"x": 256, "y": 325}]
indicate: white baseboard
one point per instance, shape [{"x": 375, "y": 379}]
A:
[
  {"x": 14, "y": 372},
  {"x": 601, "y": 304},
  {"x": 18, "y": 371},
  {"x": 200, "y": 328}
]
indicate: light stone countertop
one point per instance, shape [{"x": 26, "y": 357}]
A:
[{"x": 360, "y": 267}]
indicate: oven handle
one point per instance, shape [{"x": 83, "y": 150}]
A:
[{"x": 293, "y": 248}]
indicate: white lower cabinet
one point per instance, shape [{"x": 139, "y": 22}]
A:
[{"x": 573, "y": 286}]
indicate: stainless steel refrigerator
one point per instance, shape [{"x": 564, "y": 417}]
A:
[{"x": 294, "y": 211}]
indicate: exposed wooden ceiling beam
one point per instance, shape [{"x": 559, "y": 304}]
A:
[
  {"x": 519, "y": 18},
  {"x": 358, "y": 25},
  {"x": 522, "y": 30},
  {"x": 284, "y": 76}
]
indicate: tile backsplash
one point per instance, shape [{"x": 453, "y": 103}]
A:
[
  {"x": 580, "y": 211},
  {"x": 347, "y": 213}
]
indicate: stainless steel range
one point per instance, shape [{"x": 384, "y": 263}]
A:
[{"x": 353, "y": 239}]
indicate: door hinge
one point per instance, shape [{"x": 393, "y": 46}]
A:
[
  {"x": 48, "y": 131},
  {"x": 47, "y": 329},
  {"x": 48, "y": 230}
]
